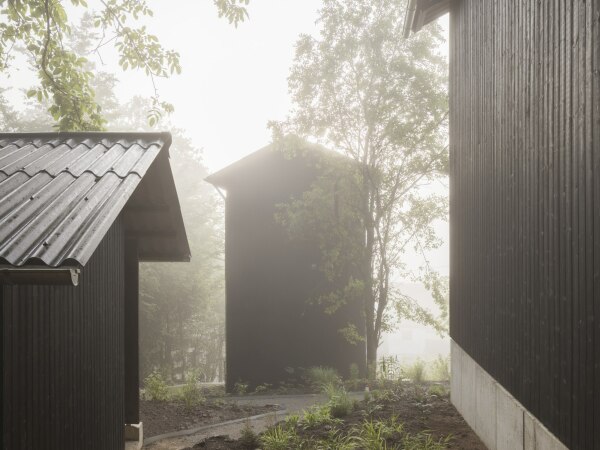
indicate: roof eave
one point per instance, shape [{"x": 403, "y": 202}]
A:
[
  {"x": 423, "y": 12},
  {"x": 410, "y": 16},
  {"x": 178, "y": 249},
  {"x": 186, "y": 254},
  {"x": 39, "y": 275}
]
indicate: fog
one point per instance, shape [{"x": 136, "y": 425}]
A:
[{"x": 234, "y": 80}]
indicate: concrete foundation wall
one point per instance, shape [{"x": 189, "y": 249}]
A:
[{"x": 495, "y": 415}]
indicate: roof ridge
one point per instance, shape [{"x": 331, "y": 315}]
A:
[
  {"x": 166, "y": 135},
  {"x": 39, "y": 143}
]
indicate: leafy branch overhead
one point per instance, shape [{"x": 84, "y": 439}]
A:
[
  {"x": 233, "y": 10},
  {"x": 41, "y": 29}
]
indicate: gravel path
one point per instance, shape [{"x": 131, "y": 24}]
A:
[{"x": 293, "y": 404}]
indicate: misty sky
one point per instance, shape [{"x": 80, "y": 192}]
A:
[{"x": 233, "y": 80}]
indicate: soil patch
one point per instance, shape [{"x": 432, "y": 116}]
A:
[
  {"x": 164, "y": 417},
  {"x": 416, "y": 406}
]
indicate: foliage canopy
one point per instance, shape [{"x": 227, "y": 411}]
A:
[{"x": 42, "y": 30}]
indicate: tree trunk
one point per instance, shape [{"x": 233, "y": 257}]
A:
[
  {"x": 369, "y": 306},
  {"x": 371, "y": 331},
  {"x": 183, "y": 351},
  {"x": 168, "y": 358},
  {"x": 372, "y": 345}
]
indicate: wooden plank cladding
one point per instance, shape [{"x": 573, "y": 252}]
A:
[
  {"x": 63, "y": 358},
  {"x": 525, "y": 203},
  {"x": 273, "y": 325}
]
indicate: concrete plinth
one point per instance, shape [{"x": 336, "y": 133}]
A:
[
  {"x": 495, "y": 415},
  {"x": 134, "y": 436}
]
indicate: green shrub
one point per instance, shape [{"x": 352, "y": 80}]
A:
[
  {"x": 155, "y": 387},
  {"x": 415, "y": 372},
  {"x": 440, "y": 369},
  {"x": 335, "y": 440},
  {"x": 317, "y": 416},
  {"x": 279, "y": 438},
  {"x": 240, "y": 388},
  {"x": 249, "y": 439},
  {"x": 372, "y": 435},
  {"x": 340, "y": 404},
  {"x": 438, "y": 390},
  {"x": 384, "y": 395},
  {"x": 317, "y": 377},
  {"x": 389, "y": 368},
  {"x": 191, "y": 393},
  {"x": 262, "y": 388},
  {"x": 424, "y": 441},
  {"x": 292, "y": 420}
]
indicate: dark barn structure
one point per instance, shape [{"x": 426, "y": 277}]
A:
[
  {"x": 78, "y": 212},
  {"x": 271, "y": 325},
  {"x": 524, "y": 218}
]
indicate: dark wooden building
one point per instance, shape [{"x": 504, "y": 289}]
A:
[
  {"x": 524, "y": 218},
  {"x": 78, "y": 211},
  {"x": 271, "y": 324}
]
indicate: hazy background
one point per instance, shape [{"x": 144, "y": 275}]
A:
[{"x": 234, "y": 80}]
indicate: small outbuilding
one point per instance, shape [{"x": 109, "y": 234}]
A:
[
  {"x": 78, "y": 212},
  {"x": 272, "y": 327}
]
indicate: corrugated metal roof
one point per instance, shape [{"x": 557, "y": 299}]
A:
[{"x": 60, "y": 192}]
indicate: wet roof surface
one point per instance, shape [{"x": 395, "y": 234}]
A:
[{"x": 61, "y": 192}]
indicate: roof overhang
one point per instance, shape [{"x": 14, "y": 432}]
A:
[
  {"x": 422, "y": 12},
  {"x": 153, "y": 216},
  {"x": 41, "y": 275},
  {"x": 61, "y": 192}
]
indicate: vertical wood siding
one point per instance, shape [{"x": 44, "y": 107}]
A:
[
  {"x": 270, "y": 279},
  {"x": 63, "y": 358},
  {"x": 525, "y": 204}
]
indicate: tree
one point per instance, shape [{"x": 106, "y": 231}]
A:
[
  {"x": 380, "y": 100},
  {"x": 42, "y": 29}
]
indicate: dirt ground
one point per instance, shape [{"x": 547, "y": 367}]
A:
[
  {"x": 164, "y": 417},
  {"x": 413, "y": 406}
]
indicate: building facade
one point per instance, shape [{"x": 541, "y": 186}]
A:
[
  {"x": 273, "y": 328},
  {"x": 78, "y": 212},
  {"x": 524, "y": 218}
]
